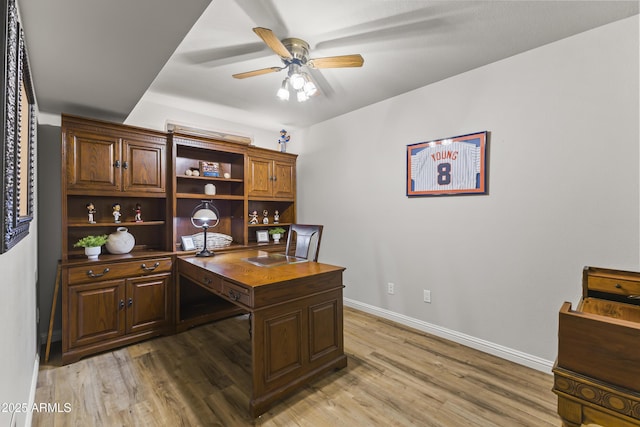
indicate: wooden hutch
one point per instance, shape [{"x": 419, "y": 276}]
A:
[{"x": 121, "y": 299}]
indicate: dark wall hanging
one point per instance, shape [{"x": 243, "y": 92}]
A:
[{"x": 18, "y": 134}]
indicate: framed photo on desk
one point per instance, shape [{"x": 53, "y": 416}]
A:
[
  {"x": 262, "y": 236},
  {"x": 188, "y": 244}
]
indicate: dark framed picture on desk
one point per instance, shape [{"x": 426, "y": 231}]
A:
[{"x": 262, "y": 236}]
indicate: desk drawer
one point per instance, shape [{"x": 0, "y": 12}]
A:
[
  {"x": 612, "y": 285},
  {"x": 200, "y": 276},
  {"x": 237, "y": 293},
  {"x": 108, "y": 271}
]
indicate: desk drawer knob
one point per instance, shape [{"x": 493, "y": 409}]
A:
[
  {"x": 235, "y": 296},
  {"x": 145, "y": 268},
  {"x": 618, "y": 286},
  {"x": 91, "y": 274}
]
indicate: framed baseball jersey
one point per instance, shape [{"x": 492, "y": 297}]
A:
[{"x": 447, "y": 166}]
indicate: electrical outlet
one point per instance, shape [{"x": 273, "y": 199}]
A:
[
  {"x": 391, "y": 288},
  {"x": 427, "y": 296}
]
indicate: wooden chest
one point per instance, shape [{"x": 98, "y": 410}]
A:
[{"x": 597, "y": 372}]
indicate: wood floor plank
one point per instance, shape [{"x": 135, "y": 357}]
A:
[{"x": 396, "y": 376}]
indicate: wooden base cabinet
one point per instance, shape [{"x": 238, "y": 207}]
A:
[{"x": 106, "y": 305}]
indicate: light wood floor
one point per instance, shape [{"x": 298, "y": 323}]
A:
[{"x": 396, "y": 376}]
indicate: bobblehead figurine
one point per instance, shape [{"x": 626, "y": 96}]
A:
[
  {"x": 138, "y": 211},
  {"x": 91, "y": 211},
  {"x": 253, "y": 217},
  {"x": 284, "y": 138},
  {"x": 116, "y": 213}
]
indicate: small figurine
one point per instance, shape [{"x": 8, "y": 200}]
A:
[
  {"x": 116, "y": 213},
  {"x": 254, "y": 217},
  {"x": 138, "y": 211},
  {"x": 265, "y": 213},
  {"x": 91, "y": 211},
  {"x": 276, "y": 217},
  {"x": 284, "y": 138}
]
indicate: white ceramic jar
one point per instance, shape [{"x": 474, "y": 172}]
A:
[{"x": 120, "y": 242}]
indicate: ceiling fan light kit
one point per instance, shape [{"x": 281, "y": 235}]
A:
[{"x": 294, "y": 53}]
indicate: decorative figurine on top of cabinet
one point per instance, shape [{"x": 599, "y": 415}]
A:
[
  {"x": 284, "y": 139},
  {"x": 116, "y": 213},
  {"x": 253, "y": 217},
  {"x": 138, "y": 211},
  {"x": 91, "y": 211},
  {"x": 276, "y": 217},
  {"x": 265, "y": 214}
]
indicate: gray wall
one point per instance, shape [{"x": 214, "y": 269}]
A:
[
  {"x": 563, "y": 192},
  {"x": 50, "y": 225}
]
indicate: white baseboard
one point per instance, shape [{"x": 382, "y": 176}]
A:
[
  {"x": 510, "y": 354},
  {"x": 32, "y": 390}
]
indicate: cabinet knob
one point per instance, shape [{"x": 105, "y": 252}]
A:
[
  {"x": 121, "y": 305},
  {"x": 91, "y": 274},
  {"x": 145, "y": 268},
  {"x": 234, "y": 295},
  {"x": 125, "y": 165},
  {"x": 117, "y": 164},
  {"x": 130, "y": 302}
]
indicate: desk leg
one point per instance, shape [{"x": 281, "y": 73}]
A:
[{"x": 294, "y": 343}]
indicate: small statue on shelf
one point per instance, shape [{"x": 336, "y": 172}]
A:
[
  {"x": 265, "y": 214},
  {"x": 253, "y": 217},
  {"x": 138, "y": 211},
  {"x": 116, "y": 213},
  {"x": 91, "y": 211},
  {"x": 276, "y": 217},
  {"x": 284, "y": 139}
]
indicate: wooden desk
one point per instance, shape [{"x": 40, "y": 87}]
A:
[{"x": 296, "y": 316}]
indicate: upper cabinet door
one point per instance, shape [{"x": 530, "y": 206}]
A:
[
  {"x": 144, "y": 166},
  {"x": 284, "y": 179},
  {"x": 260, "y": 177},
  {"x": 93, "y": 161},
  {"x": 271, "y": 178}
]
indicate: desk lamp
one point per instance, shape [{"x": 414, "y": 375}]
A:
[{"x": 205, "y": 215}]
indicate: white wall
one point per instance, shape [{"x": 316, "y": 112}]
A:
[
  {"x": 155, "y": 110},
  {"x": 18, "y": 357},
  {"x": 563, "y": 191}
]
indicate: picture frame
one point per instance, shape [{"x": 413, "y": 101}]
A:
[
  {"x": 262, "y": 236},
  {"x": 450, "y": 166},
  {"x": 18, "y": 134},
  {"x": 187, "y": 243}
]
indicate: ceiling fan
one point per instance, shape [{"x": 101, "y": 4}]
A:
[{"x": 294, "y": 53}]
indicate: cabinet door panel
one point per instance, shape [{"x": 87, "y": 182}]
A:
[
  {"x": 260, "y": 177},
  {"x": 148, "y": 303},
  {"x": 96, "y": 312},
  {"x": 144, "y": 166},
  {"x": 283, "y": 186},
  {"x": 91, "y": 161}
]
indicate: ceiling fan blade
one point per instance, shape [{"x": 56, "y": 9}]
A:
[
  {"x": 337, "y": 61},
  {"x": 273, "y": 42},
  {"x": 257, "y": 72}
]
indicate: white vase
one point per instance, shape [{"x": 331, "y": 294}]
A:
[
  {"x": 92, "y": 252},
  {"x": 276, "y": 238},
  {"x": 120, "y": 242}
]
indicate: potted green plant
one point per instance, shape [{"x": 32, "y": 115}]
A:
[
  {"x": 277, "y": 233},
  {"x": 92, "y": 245}
]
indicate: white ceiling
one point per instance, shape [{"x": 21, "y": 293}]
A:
[{"x": 102, "y": 58}]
